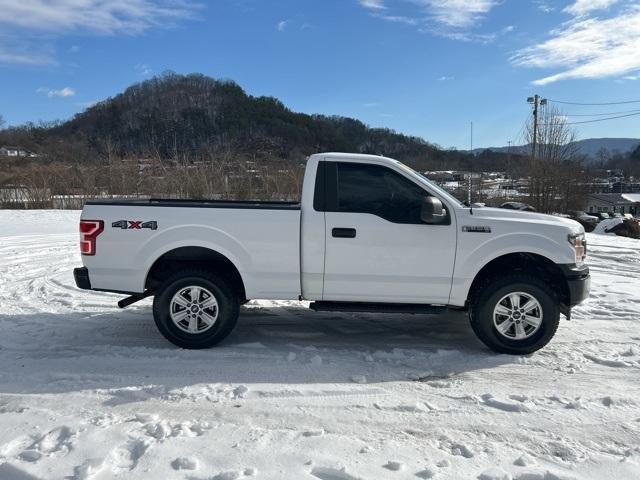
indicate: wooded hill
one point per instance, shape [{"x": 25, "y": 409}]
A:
[
  {"x": 186, "y": 113},
  {"x": 184, "y": 116}
]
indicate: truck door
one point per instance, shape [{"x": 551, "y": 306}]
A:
[{"x": 377, "y": 247}]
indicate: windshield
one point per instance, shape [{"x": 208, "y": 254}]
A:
[{"x": 430, "y": 184}]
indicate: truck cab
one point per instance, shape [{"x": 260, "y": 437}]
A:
[{"x": 369, "y": 234}]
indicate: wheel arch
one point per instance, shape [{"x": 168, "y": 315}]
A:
[
  {"x": 527, "y": 262},
  {"x": 180, "y": 258}
]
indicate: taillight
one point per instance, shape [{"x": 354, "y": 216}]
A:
[{"x": 89, "y": 231}]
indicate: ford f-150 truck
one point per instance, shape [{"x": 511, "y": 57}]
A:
[{"x": 369, "y": 234}]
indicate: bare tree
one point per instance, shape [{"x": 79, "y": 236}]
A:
[
  {"x": 602, "y": 157},
  {"x": 556, "y": 176}
]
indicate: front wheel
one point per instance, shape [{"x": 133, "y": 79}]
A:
[
  {"x": 517, "y": 314},
  {"x": 195, "y": 309}
]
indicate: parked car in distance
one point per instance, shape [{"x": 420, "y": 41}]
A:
[
  {"x": 518, "y": 206},
  {"x": 369, "y": 235},
  {"x": 602, "y": 215},
  {"x": 589, "y": 222},
  {"x": 583, "y": 216},
  {"x": 617, "y": 215}
]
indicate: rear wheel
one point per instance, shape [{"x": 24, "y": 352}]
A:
[
  {"x": 517, "y": 314},
  {"x": 195, "y": 309}
]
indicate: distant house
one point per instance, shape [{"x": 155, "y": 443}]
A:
[
  {"x": 8, "y": 151},
  {"x": 614, "y": 203}
]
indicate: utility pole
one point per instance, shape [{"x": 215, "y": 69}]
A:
[
  {"x": 509, "y": 172},
  {"x": 470, "y": 171},
  {"x": 537, "y": 101}
]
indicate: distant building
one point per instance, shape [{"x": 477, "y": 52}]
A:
[
  {"x": 7, "y": 151},
  {"x": 625, "y": 187},
  {"x": 614, "y": 203}
]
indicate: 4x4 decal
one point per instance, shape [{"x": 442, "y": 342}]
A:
[{"x": 135, "y": 225}]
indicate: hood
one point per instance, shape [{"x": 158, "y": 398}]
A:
[{"x": 527, "y": 217}]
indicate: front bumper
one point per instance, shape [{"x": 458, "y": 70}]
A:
[
  {"x": 81, "y": 276},
  {"x": 578, "y": 281}
]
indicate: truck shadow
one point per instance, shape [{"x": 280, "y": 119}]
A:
[{"x": 121, "y": 351}]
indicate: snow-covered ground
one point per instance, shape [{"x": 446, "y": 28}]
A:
[{"x": 88, "y": 391}]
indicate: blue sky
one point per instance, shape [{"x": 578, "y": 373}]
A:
[{"x": 422, "y": 67}]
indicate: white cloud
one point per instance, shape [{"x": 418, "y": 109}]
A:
[
  {"x": 462, "y": 35},
  {"x": 24, "y": 58},
  {"x": 281, "y": 25},
  {"x": 143, "y": 69},
  {"x": 24, "y": 51},
  {"x": 373, "y": 4},
  {"x": 22, "y": 22},
  {"x": 588, "y": 48},
  {"x": 107, "y": 17},
  {"x": 63, "y": 92},
  {"x": 544, "y": 6},
  {"x": 584, "y": 7},
  {"x": 446, "y": 18},
  {"x": 457, "y": 13},
  {"x": 445, "y": 78},
  {"x": 397, "y": 19}
]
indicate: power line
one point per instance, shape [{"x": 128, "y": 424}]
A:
[
  {"x": 604, "y": 119},
  {"x": 604, "y": 103},
  {"x": 592, "y": 121},
  {"x": 598, "y": 114},
  {"x": 520, "y": 136}
]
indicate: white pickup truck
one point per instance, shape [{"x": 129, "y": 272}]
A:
[{"x": 370, "y": 234}]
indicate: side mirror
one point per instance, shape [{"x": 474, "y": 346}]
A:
[{"x": 432, "y": 211}]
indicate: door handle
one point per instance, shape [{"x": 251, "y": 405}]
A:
[{"x": 343, "y": 233}]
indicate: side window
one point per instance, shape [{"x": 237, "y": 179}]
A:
[{"x": 378, "y": 190}]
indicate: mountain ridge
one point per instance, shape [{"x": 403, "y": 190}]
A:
[{"x": 588, "y": 147}]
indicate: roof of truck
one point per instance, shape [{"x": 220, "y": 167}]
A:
[{"x": 359, "y": 156}]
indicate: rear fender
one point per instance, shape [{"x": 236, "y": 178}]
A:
[{"x": 195, "y": 236}]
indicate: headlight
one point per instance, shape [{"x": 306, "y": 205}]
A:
[{"x": 579, "y": 243}]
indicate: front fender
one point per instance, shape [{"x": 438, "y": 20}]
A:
[{"x": 473, "y": 256}]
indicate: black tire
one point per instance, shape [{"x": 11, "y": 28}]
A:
[
  {"x": 487, "y": 298},
  {"x": 227, "y": 309}
]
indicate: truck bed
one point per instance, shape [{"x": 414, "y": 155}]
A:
[{"x": 261, "y": 239}]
